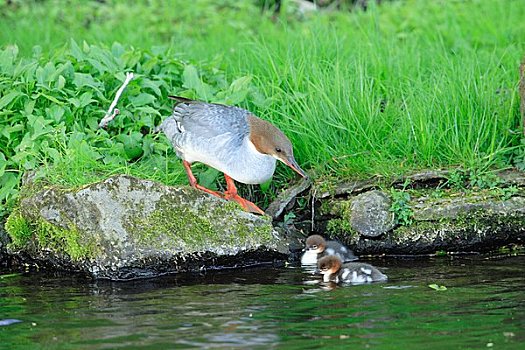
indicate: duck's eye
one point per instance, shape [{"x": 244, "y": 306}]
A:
[
  {"x": 278, "y": 150},
  {"x": 314, "y": 247}
]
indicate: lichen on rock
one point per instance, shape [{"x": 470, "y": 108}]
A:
[{"x": 126, "y": 227}]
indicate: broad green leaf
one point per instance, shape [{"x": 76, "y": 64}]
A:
[
  {"x": 191, "y": 77},
  {"x": 141, "y": 99},
  {"x": 265, "y": 186},
  {"x": 236, "y": 97},
  {"x": 49, "y": 97},
  {"x": 191, "y": 80},
  {"x": 101, "y": 68},
  {"x": 61, "y": 82},
  {"x": 117, "y": 49},
  {"x": 148, "y": 110},
  {"x": 82, "y": 79},
  {"x": 207, "y": 178},
  {"x": 150, "y": 64},
  {"x": 241, "y": 84},
  {"x": 6, "y": 99},
  {"x": 132, "y": 144},
  {"x": 74, "y": 101},
  {"x": 55, "y": 112},
  {"x": 105, "y": 58},
  {"x": 146, "y": 119},
  {"x": 39, "y": 126},
  {"x": 76, "y": 51},
  {"x": 53, "y": 153},
  {"x": 8, "y": 185},
  {"x": 29, "y": 106},
  {"x": 27, "y": 69},
  {"x": 153, "y": 85},
  {"x": 85, "y": 99},
  {"x": 147, "y": 145},
  {"x": 3, "y": 164},
  {"x": 7, "y": 131},
  {"x": 131, "y": 58},
  {"x": 7, "y": 58}
]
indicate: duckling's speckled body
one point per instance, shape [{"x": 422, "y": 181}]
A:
[{"x": 334, "y": 270}]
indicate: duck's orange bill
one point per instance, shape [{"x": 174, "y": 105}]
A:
[{"x": 293, "y": 164}]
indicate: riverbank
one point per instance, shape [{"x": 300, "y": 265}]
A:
[
  {"x": 127, "y": 228},
  {"x": 386, "y": 92}
]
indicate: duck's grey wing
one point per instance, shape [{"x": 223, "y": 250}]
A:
[
  {"x": 193, "y": 125},
  {"x": 210, "y": 120}
]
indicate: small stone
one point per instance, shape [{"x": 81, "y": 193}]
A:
[{"x": 370, "y": 214}]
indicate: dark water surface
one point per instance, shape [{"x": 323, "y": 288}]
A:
[{"x": 275, "y": 308}]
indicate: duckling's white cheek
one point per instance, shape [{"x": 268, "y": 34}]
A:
[{"x": 309, "y": 258}]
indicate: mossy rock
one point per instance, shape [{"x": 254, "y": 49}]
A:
[
  {"x": 126, "y": 227},
  {"x": 478, "y": 221}
]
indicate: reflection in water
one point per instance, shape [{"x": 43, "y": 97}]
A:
[{"x": 274, "y": 308}]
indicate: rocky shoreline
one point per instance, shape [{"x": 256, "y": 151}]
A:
[{"x": 125, "y": 228}]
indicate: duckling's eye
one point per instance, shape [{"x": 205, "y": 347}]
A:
[
  {"x": 278, "y": 150},
  {"x": 314, "y": 247}
]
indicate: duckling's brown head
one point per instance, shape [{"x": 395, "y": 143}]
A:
[
  {"x": 329, "y": 265},
  {"x": 316, "y": 244}
]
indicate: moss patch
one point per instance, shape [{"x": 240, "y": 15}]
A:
[
  {"x": 48, "y": 236},
  {"x": 18, "y": 230},
  {"x": 188, "y": 229},
  {"x": 60, "y": 240}
]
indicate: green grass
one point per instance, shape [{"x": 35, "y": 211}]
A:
[{"x": 404, "y": 86}]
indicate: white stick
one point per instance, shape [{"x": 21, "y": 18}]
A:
[{"x": 110, "y": 115}]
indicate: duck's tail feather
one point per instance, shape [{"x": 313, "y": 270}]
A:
[{"x": 180, "y": 99}]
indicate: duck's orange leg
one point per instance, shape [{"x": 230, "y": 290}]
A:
[
  {"x": 231, "y": 194},
  {"x": 193, "y": 181}
]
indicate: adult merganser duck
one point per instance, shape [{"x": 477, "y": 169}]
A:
[
  {"x": 230, "y": 139},
  {"x": 334, "y": 270},
  {"x": 317, "y": 247}
]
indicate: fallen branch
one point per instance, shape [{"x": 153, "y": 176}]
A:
[{"x": 111, "y": 114}]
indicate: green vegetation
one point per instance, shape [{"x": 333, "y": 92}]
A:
[
  {"x": 18, "y": 229},
  {"x": 437, "y": 287},
  {"x": 192, "y": 230},
  {"x": 401, "y": 207},
  {"x": 403, "y": 86},
  {"x": 48, "y": 236}
]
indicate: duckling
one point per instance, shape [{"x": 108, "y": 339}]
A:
[
  {"x": 333, "y": 270},
  {"x": 317, "y": 247}
]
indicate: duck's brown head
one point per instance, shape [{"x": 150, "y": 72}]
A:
[{"x": 269, "y": 140}]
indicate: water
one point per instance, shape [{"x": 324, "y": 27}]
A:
[{"x": 275, "y": 308}]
